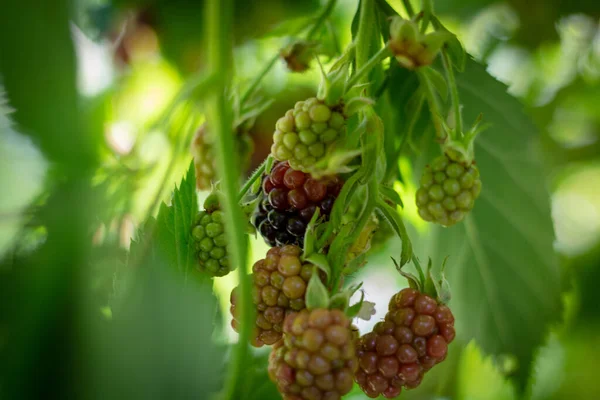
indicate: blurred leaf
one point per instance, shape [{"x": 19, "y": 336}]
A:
[
  {"x": 163, "y": 321},
  {"x": 548, "y": 370},
  {"x": 502, "y": 268},
  {"x": 291, "y": 27},
  {"x": 479, "y": 379},
  {"x": 44, "y": 93},
  {"x": 169, "y": 236},
  {"x": 457, "y": 53}
]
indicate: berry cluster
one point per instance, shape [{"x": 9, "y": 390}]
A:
[
  {"x": 280, "y": 282},
  {"x": 290, "y": 198},
  {"x": 448, "y": 191},
  {"x": 316, "y": 358},
  {"x": 413, "y": 338},
  {"x": 209, "y": 238},
  {"x": 204, "y": 158},
  {"x": 307, "y": 133}
]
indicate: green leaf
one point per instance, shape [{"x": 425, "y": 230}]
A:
[
  {"x": 504, "y": 275},
  {"x": 456, "y": 51},
  {"x": 389, "y": 194},
  {"x": 480, "y": 379},
  {"x": 162, "y": 319},
  {"x": 310, "y": 235},
  {"x": 392, "y": 216},
  {"x": 317, "y": 295},
  {"x": 439, "y": 83},
  {"x": 320, "y": 260},
  {"x": 174, "y": 224}
]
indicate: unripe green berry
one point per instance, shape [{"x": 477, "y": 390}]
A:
[
  {"x": 448, "y": 191},
  {"x": 210, "y": 243},
  {"x": 320, "y": 113},
  {"x": 315, "y": 131}
]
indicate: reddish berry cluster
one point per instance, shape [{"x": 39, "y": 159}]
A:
[
  {"x": 280, "y": 282},
  {"x": 413, "y": 338},
  {"x": 316, "y": 358},
  {"x": 291, "y": 198}
]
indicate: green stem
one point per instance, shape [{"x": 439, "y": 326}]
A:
[
  {"x": 325, "y": 12},
  {"x": 317, "y": 25},
  {"x": 218, "y": 20},
  {"x": 419, "y": 269},
  {"x": 200, "y": 83},
  {"x": 256, "y": 175},
  {"x": 191, "y": 125},
  {"x": 408, "y": 7},
  {"x": 433, "y": 102},
  {"x": 338, "y": 267},
  {"x": 427, "y": 6},
  {"x": 458, "y": 128},
  {"x": 364, "y": 37},
  {"x": 381, "y": 55},
  {"x": 254, "y": 85}
]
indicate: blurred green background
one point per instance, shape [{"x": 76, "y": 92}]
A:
[{"x": 85, "y": 157}]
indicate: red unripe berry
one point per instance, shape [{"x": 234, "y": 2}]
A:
[
  {"x": 315, "y": 190},
  {"x": 294, "y": 179},
  {"x": 278, "y": 172}
]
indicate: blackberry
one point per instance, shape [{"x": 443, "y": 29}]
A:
[
  {"x": 289, "y": 200},
  {"x": 204, "y": 155},
  {"x": 210, "y": 241},
  {"x": 316, "y": 358},
  {"x": 307, "y": 133},
  {"x": 412, "y": 339},
  {"x": 280, "y": 282},
  {"x": 448, "y": 191}
]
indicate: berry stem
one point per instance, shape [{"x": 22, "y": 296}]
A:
[
  {"x": 434, "y": 105},
  {"x": 364, "y": 42},
  {"x": 189, "y": 127},
  {"x": 395, "y": 220},
  {"x": 427, "y": 6},
  {"x": 453, "y": 92},
  {"x": 381, "y": 55},
  {"x": 325, "y": 12},
  {"x": 254, "y": 85},
  {"x": 408, "y": 7},
  {"x": 255, "y": 175},
  {"x": 198, "y": 84},
  {"x": 419, "y": 269},
  {"x": 218, "y": 20}
]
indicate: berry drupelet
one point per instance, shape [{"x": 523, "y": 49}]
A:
[{"x": 289, "y": 200}]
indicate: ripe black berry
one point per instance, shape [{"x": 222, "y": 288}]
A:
[{"x": 290, "y": 199}]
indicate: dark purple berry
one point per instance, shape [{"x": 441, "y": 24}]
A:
[
  {"x": 296, "y": 227},
  {"x": 278, "y": 199},
  {"x": 327, "y": 205},
  {"x": 277, "y": 219}
]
